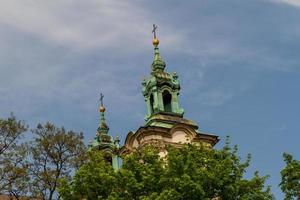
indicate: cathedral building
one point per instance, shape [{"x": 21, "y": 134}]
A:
[{"x": 164, "y": 122}]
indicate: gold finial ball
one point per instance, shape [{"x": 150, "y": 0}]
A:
[
  {"x": 155, "y": 41},
  {"x": 102, "y": 109}
]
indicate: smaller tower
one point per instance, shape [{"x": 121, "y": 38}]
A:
[{"x": 104, "y": 142}]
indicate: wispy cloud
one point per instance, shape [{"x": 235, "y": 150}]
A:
[
  {"x": 289, "y": 2},
  {"x": 88, "y": 24}
]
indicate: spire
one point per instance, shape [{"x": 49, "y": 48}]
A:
[
  {"x": 158, "y": 63},
  {"x": 104, "y": 142},
  {"x": 103, "y": 128},
  {"x": 161, "y": 90}
]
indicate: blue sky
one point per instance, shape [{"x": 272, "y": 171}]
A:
[{"x": 238, "y": 63}]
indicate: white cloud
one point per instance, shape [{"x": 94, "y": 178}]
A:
[
  {"x": 82, "y": 24},
  {"x": 290, "y": 2}
]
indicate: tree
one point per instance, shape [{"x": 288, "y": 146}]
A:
[
  {"x": 17, "y": 173},
  {"x": 141, "y": 175},
  {"x": 10, "y": 131},
  {"x": 13, "y": 165},
  {"x": 290, "y": 178},
  {"x": 55, "y": 153},
  {"x": 190, "y": 172},
  {"x": 94, "y": 180}
]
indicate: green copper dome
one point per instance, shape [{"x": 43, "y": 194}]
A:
[
  {"x": 161, "y": 89},
  {"x": 158, "y": 63}
]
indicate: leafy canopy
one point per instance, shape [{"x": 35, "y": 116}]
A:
[
  {"x": 290, "y": 178},
  {"x": 34, "y": 168},
  {"x": 13, "y": 167},
  {"x": 190, "y": 172},
  {"x": 54, "y": 152}
]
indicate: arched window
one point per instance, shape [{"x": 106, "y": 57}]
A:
[
  {"x": 167, "y": 99},
  {"x": 151, "y": 103}
]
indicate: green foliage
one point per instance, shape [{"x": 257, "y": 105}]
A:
[
  {"x": 13, "y": 165},
  {"x": 54, "y": 152},
  {"x": 34, "y": 168},
  {"x": 10, "y": 131},
  {"x": 290, "y": 178},
  {"x": 190, "y": 172},
  {"x": 140, "y": 175},
  {"x": 94, "y": 180}
]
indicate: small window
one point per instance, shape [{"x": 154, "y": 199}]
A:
[
  {"x": 151, "y": 103},
  {"x": 167, "y": 99}
]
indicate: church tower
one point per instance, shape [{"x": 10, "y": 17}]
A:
[
  {"x": 104, "y": 142},
  {"x": 164, "y": 121},
  {"x": 161, "y": 89}
]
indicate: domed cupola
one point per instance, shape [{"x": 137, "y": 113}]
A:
[{"x": 161, "y": 89}]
